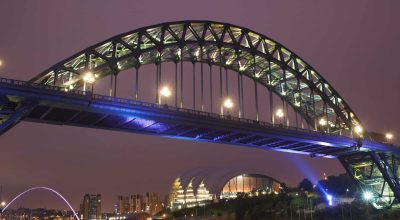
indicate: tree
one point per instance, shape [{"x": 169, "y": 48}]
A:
[
  {"x": 306, "y": 185},
  {"x": 338, "y": 185}
]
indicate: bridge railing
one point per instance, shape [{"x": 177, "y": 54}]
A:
[
  {"x": 25, "y": 84},
  {"x": 88, "y": 95}
]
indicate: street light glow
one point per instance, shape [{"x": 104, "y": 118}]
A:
[
  {"x": 3, "y": 204},
  {"x": 228, "y": 103},
  {"x": 330, "y": 199},
  {"x": 368, "y": 195},
  {"x": 358, "y": 129},
  {"x": 389, "y": 136},
  {"x": 165, "y": 91},
  {"x": 279, "y": 113},
  {"x": 88, "y": 77},
  {"x": 323, "y": 122}
]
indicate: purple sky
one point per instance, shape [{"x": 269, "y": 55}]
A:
[{"x": 353, "y": 44}]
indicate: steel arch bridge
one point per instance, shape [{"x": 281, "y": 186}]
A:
[{"x": 56, "y": 96}]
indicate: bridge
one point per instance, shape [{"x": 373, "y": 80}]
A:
[{"x": 224, "y": 84}]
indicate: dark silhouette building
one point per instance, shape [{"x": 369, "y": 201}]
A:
[{"x": 91, "y": 207}]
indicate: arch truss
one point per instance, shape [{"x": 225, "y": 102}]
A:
[{"x": 244, "y": 51}]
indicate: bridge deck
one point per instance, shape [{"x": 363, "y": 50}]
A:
[{"x": 53, "y": 105}]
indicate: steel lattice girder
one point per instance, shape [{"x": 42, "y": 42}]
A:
[
  {"x": 233, "y": 47},
  {"x": 376, "y": 173}
]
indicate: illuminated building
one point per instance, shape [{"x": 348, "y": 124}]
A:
[
  {"x": 153, "y": 203},
  {"x": 136, "y": 203},
  {"x": 203, "y": 194},
  {"x": 198, "y": 193},
  {"x": 123, "y": 205},
  {"x": 177, "y": 195},
  {"x": 251, "y": 184},
  {"x": 91, "y": 207},
  {"x": 189, "y": 197}
]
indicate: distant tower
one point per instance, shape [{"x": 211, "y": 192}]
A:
[
  {"x": 123, "y": 205},
  {"x": 91, "y": 207},
  {"x": 137, "y": 203}
]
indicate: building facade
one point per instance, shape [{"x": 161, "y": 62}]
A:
[
  {"x": 199, "y": 194},
  {"x": 249, "y": 184},
  {"x": 137, "y": 203},
  {"x": 90, "y": 208}
]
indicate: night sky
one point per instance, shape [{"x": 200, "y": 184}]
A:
[{"x": 353, "y": 44}]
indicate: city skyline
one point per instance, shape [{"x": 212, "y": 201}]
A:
[{"x": 88, "y": 160}]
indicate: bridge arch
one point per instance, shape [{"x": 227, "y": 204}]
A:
[
  {"x": 42, "y": 188},
  {"x": 232, "y": 47}
]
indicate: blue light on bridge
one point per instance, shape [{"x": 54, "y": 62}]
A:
[{"x": 329, "y": 198}]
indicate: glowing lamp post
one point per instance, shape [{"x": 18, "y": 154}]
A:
[
  {"x": 368, "y": 195},
  {"x": 359, "y": 130},
  {"x": 164, "y": 92},
  {"x": 389, "y": 137},
  {"x": 323, "y": 124},
  {"x": 279, "y": 113},
  {"x": 89, "y": 78},
  {"x": 228, "y": 104}
]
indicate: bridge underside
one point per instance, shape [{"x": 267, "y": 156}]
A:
[{"x": 374, "y": 172}]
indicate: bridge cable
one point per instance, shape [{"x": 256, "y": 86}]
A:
[
  {"x": 111, "y": 84},
  {"x": 226, "y": 86},
  {"x": 255, "y": 87},
  {"x": 159, "y": 77},
  {"x": 201, "y": 70},
  {"x": 157, "y": 98},
  {"x": 176, "y": 83},
  {"x": 220, "y": 80},
  {"x": 239, "y": 96},
  {"x": 241, "y": 91},
  {"x": 271, "y": 106},
  {"x": 137, "y": 83},
  {"x": 211, "y": 89},
  {"x": 256, "y": 99},
  {"x": 238, "y": 79},
  {"x": 115, "y": 84},
  {"x": 194, "y": 84},
  {"x": 181, "y": 79},
  {"x": 299, "y": 97}
]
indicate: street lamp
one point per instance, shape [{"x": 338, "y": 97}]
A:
[
  {"x": 228, "y": 104},
  {"x": 165, "y": 92},
  {"x": 368, "y": 195},
  {"x": 389, "y": 136},
  {"x": 323, "y": 122},
  {"x": 358, "y": 129},
  {"x": 279, "y": 113},
  {"x": 88, "y": 77}
]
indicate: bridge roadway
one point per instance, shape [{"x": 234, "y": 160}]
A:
[{"x": 49, "y": 104}]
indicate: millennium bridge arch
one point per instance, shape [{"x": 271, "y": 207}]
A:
[
  {"x": 41, "y": 188},
  {"x": 63, "y": 94}
]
